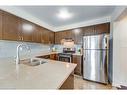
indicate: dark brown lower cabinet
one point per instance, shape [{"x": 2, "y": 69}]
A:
[
  {"x": 77, "y": 59},
  {"x": 69, "y": 82},
  {"x": 51, "y": 56},
  {"x": 54, "y": 56},
  {"x": 44, "y": 56}
]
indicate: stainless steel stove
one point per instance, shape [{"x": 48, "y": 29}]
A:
[{"x": 66, "y": 56}]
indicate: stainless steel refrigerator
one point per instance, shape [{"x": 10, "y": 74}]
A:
[{"x": 95, "y": 58}]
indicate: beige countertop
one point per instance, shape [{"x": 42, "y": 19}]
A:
[
  {"x": 48, "y": 53},
  {"x": 50, "y": 75}
]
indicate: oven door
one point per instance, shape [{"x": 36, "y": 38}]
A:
[{"x": 65, "y": 58}]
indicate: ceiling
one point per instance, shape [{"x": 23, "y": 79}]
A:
[{"x": 48, "y": 14}]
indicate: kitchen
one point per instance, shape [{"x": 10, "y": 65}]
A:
[{"x": 76, "y": 54}]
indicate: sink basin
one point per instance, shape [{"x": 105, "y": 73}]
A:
[{"x": 32, "y": 62}]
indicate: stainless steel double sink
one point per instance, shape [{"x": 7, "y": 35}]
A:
[{"x": 32, "y": 62}]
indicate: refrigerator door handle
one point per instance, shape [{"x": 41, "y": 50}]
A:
[
  {"x": 106, "y": 41},
  {"x": 84, "y": 58}
]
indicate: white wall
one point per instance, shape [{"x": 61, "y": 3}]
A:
[{"x": 120, "y": 52}]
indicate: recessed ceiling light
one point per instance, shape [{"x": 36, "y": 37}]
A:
[{"x": 64, "y": 14}]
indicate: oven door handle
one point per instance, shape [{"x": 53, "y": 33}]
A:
[{"x": 70, "y": 60}]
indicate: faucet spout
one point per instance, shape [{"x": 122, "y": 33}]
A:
[{"x": 17, "y": 52}]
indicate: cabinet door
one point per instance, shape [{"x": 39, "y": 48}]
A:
[
  {"x": 77, "y": 36},
  {"x": 89, "y": 30},
  {"x": 62, "y": 35},
  {"x": 0, "y": 24},
  {"x": 47, "y": 36},
  {"x": 11, "y": 27},
  {"x": 77, "y": 60},
  {"x": 51, "y": 38},
  {"x": 44, "y": 36},
  {"x": 68, "y": 83},
  {"x": 27, "y": 30},
  {"x": 36, "y": 35},
  {"x": 69, "y": 34},
  {"x": 57, "y": 37},
  {"x": 102, "y": 28},
  {"x": 53, "y": 56}
]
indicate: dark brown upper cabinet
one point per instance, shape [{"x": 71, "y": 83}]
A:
[
  {"x": 46, "y": 36},
  {"x": 61, "y": 35},
  {"x": 0, "y": 24},
  {"x": 87, "y": 31},
  {"x": 96, "y": 29},
  {"x": 102, "y": 28},
  {"x": 36, "y": 35},
  {"x": 18, "y": 29},
  {"x": 69, "y": 34},
  {"x": 15, "y": 28},
  {"x": 51, "y": 37},
  {"x": 28, "y": 29},
  {"x": 77, "y": 34},
  {"x": 57, "y": 37},
  {"x": 11, "y": 27}
]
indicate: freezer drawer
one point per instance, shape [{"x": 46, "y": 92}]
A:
[{"x": 95, "y": 65}]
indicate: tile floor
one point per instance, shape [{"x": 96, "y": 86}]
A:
[{"x": 79, "y": 83}]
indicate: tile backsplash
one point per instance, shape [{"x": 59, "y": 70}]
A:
[{"x": 8, "y": 48}]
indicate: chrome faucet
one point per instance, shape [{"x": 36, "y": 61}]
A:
[{"x": 17, "y": 53}]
